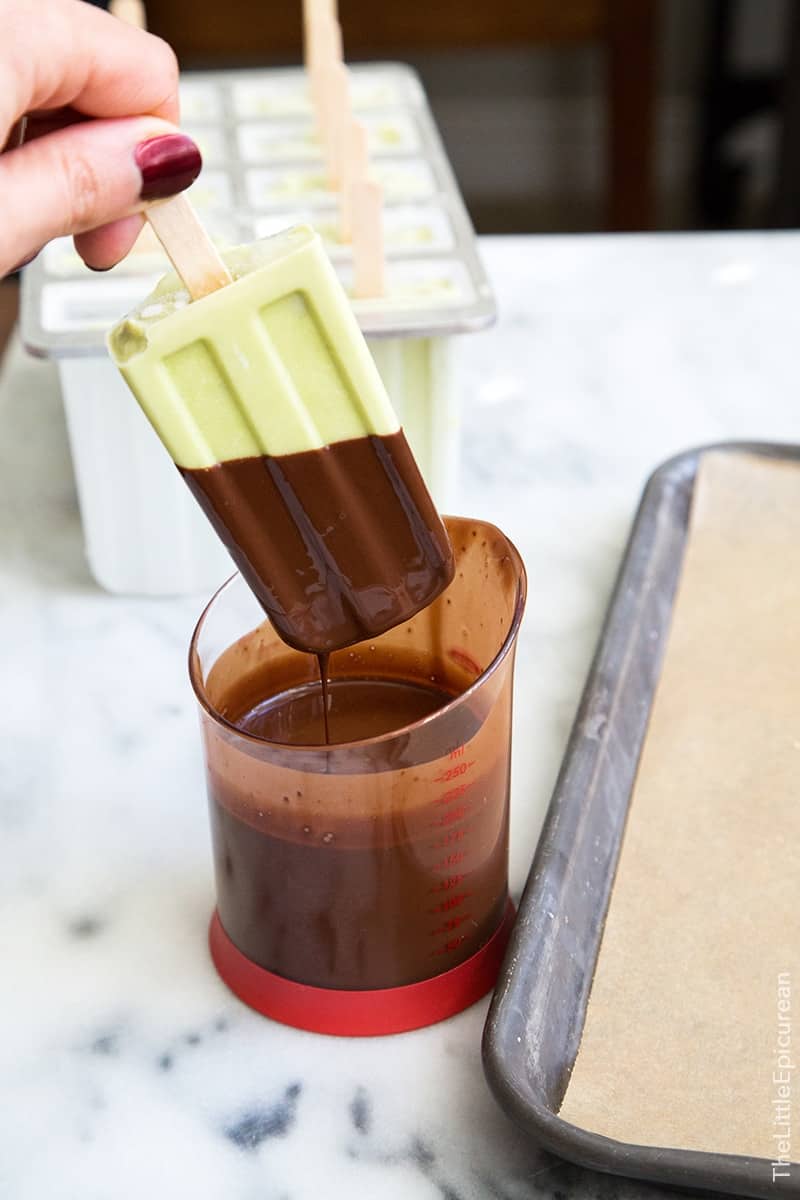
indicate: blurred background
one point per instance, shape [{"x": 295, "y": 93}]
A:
[
  {"x": 565, "y": 115},
  {"x": 570, "y": 114}
]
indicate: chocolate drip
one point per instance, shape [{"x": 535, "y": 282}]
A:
[{"x": 322, "y": 662}]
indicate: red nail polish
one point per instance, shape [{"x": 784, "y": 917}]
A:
[{"x": 168, "y": 165}]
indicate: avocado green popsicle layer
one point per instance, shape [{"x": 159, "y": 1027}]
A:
[
  {"x": 273, "y": 364},
  {"x": 267, "y": 397}
]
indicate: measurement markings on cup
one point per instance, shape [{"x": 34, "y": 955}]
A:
[
  {"x": 452, "y": 860},
  {"x": 450, "y": 827},
  {"x": 447, "y": 884}
]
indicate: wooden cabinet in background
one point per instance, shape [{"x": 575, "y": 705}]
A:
[
  {"x": 238, "y": 31},
  {"x": 216, "y": 33}
]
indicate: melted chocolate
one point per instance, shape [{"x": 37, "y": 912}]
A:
[
  {"x": 382, "y": 887},
  {"x": 356, "y": 709},
  {"x": 338, "y": 544}
]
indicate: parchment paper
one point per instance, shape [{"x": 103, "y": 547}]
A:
[{"x": 683, "y": 1026}]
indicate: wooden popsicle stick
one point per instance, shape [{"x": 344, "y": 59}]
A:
[
  {"x": 368, "y": 254},
  {"x": 317, "y": 10},
  {"x": 314, "y": 10},
  {"x": 324, "y": 52},
  {"x": 317, "y": 90},
  {"x": 324, "y": 43},
  {"x": 326, "y": 38},
  {"x": 354, "y": 158},
  {"x": 335, "y": 84},
  {"x": 130, "y": 11},
  {"x": 335, "y": 40},
  {"x": 174, "y": 222},
  {"x": 189, "y": 248}
]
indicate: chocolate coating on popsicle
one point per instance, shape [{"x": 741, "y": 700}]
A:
[{"x": 338, "y": 544}]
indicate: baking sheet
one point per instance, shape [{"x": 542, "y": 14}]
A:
[
  {"x": 537, "y": 1018},
  {"x": 702, "y": 936}
]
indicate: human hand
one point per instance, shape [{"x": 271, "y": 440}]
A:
[{"x": 101, "y": 98}]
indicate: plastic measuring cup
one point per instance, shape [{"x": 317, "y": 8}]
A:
[{"x": 362, "y": 886}]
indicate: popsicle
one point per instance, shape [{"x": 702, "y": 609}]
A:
[{"x": 267, "y": 398}]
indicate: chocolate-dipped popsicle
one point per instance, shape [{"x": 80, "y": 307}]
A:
[{"x": 267, "y": 398}]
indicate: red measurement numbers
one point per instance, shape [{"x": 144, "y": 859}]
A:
[{"x": 450, "y": 829}]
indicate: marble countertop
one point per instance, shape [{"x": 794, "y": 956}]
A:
[{"x": 126, "y": 1067}]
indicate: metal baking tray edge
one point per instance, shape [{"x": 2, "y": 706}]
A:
[{"x": 535, "y": 1022}]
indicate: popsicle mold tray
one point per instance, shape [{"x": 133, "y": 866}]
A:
[{"x": 263, "y": 171}]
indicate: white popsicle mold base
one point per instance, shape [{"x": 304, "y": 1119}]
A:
[
  {"x": 416, "y": 373},
  {"x": 144, "y": 533}
]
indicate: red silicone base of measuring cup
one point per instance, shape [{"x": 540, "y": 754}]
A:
[{"x": 365, "y": 1013}]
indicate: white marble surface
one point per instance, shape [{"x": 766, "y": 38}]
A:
[{"x": 126, "y": 1068}]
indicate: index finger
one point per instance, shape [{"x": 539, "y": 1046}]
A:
[{"x": 64, "y": 52}]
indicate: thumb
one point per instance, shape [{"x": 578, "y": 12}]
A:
[{"x": 88, "y": 175}]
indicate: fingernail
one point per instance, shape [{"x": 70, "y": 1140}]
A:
[{"x": 168, "y": 165}]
